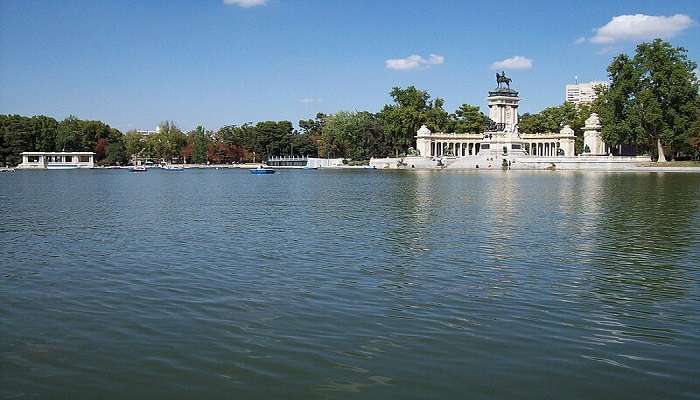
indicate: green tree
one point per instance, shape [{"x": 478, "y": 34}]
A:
[
  {"x": 68, "y": 135},
  {"x": 167, "y": 143},
  {"x": 651, "y": 98},
  {"x": 199, "y": 140},
  {"x": 16, "y": 136},
  {"x": 115, "y": 153},
  {"x": 134, "y": 143},
  {"x": 273, "y": 138},
  {"x": 436, "y": 118},
  {"x": 694, "y": 134},
  {"x": 308, "y": 141},
  {"x": 353, "y": 135},
  {"x": 45, "y": 129},
  {"x": 469, "y": 119},
  {"x": 411, "y": 109}
]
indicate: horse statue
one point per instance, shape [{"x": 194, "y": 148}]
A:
[{"x": 502, "y": 78}]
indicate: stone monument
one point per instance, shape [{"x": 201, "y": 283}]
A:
[
  {"x": 502, "y": 140},
  {"x": 592, "y": 140}
]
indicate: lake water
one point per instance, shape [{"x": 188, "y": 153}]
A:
[{"x": 349, "y": 284}]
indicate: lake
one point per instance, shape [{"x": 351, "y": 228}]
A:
[{"x": 349, "y": 284}]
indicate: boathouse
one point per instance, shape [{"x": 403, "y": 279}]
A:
[{"x": 57, "y": 160}]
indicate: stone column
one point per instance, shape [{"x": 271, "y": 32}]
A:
[{"x": 592, "y": 136}]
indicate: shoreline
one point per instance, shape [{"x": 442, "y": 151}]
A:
[{"x": 637, "y": 168}]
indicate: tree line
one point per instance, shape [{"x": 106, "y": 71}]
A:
[
  {"x": 652, "y": 103},
  {"x": 357, "y": 135}
]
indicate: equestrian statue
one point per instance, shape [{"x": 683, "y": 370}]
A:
[{"x": 501, "y": 79}]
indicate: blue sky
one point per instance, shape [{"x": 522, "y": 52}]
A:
[{"x": 135, "y": 63}]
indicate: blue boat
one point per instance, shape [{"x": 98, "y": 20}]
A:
[{"x": 262, "y": 171}]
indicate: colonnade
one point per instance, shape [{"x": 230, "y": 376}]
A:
[
  {"x": 533, "y": 147},
  {"x": 543, "y": 149},
  {"x": 458, "y": 149}
]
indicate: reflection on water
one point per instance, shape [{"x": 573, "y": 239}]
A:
[{"x": 334, "y": 284}]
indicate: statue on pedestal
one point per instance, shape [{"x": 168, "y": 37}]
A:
[{"x": 501, "y": 79}]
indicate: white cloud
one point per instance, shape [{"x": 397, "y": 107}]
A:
[
  {"x": 640, "y": 27},
  {"x": 605, "y": 50},
  {"x": 413, "y": 61},
  {"x": 309, "y": 100},
  {"x": 245, "y": 3},
  {"x": 515, "y": 62},
  {"x": 579, "y": 40}
]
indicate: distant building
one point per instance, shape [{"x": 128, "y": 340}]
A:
[
  {"x": 147, "y": 132},
  {"x": 287, "y": 161},
  {"x": 57, "y": 160},
  {"x": 583, "y": 93}
]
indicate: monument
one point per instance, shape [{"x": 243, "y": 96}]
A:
[
  {"x": 502, "y": 145},
  {"x": 592, "y": 140},
  {"x": 502, "y": 139}
]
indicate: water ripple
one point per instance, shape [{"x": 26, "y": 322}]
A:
[{"x": 335, "y": 284}]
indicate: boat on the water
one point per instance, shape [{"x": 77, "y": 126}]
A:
[
  {"x": 8, "y": 169},
  {"x": 262, "y": 171},
  {"x": 171, "y": 167},
  {"x": 138, "y": 168}
]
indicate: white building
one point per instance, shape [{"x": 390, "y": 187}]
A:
[
  {"x": 502, "y": 141},
  {"x": 145, "y": 132},
  {"x": 583, "y": 93},
  {"x": 57, "y": 160},
  {"x": 503, "y": 146}
]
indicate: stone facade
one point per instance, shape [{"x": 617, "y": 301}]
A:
[
  {"x": 503, "y": 146},
  {"x": 501, "y": 141}
]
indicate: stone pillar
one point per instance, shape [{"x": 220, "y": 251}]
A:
[
  {"x": 567, "y": 140},
  {"x": 592, "y": 136}
]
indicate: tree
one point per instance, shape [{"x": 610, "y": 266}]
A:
[
  {"x": 167, "y": 143},
  {"x": 353, "y": 135},
  {"x": 694, "y": 134},
  {"x": 308, "y": 141},
  {"x": 134, "y": 143},
  {"x": 45, "y": 128},
  {"x": 469, "y": 119},
  {"x": 238, "y": 143},
  {"x": 411, "y": 109},
  {"x": 199, "y": 142},
  {"x": 436, "y": 118},
  {"x": 16, "y": 136},
  {"x": 273, "y": 137},
  {"x": 68, "y": 135},
  {"x": 101, "y": 149},
  {"x": 115, "y": 153},
  {"x": 651, "y": 98},
  {"x": 313, "y": 126}
]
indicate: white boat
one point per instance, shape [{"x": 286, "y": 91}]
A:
[
  {"x": 8, "y": 169},
  {"x": 138, "y": 168},
  {"x": 170, "y": 167}
]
